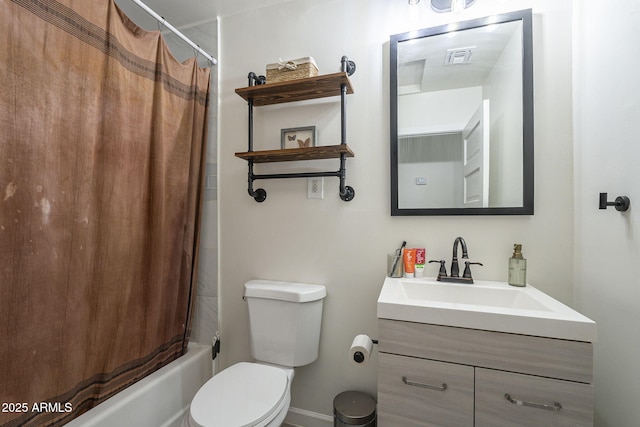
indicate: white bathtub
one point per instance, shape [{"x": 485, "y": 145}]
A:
[{"x": 159, "y": 400}]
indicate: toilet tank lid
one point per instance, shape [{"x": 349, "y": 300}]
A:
[{"x": 284, "y": 291}]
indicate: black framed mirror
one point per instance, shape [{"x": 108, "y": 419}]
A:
[{"x": 461, "y": 118}]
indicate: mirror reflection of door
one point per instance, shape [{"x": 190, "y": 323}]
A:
[{"x": 475, "y": 139}]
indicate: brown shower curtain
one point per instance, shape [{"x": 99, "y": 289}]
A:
[{"x": 102, "y": 139}]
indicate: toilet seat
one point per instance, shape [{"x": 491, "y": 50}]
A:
[{"x": 244, "y": 394}]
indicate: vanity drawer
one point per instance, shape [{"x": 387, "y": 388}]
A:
[
  {"x": 545, "y": 357},
  {"x": 411, "y": 392},
  {"x": 531, "y": 400}
]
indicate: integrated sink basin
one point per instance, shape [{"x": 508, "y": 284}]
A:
[
  {"x": 493, "y": 306},
  {"x": 472, "y": 295}
]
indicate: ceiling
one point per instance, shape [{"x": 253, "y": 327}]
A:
[{"x": 185, "y": 13}]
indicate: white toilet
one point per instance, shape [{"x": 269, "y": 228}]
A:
[{"x": 284, "y": 321}]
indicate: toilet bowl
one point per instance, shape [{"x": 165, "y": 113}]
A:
[
  {"x": 284, "y": 330},
  {"x": 243, "y": 395}
]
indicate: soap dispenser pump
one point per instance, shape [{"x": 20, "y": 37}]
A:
[{"x": 517, "y": 267}]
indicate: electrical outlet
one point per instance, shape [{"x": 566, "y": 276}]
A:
[{"x": 315, "y": 188}]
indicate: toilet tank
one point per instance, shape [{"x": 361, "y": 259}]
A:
[{"x": 284, "y": 321}]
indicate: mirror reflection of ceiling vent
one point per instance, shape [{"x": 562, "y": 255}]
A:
[{"x": 459, "y": 56}]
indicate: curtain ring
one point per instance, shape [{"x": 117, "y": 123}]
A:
[{"x": 161, "y": 24}]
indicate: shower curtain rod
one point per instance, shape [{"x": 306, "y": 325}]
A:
[{"x": 175, "y": 31}]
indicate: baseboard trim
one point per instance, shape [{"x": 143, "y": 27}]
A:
[{"x": 303, "y": 418}]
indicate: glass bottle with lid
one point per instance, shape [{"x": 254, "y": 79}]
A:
[{"x": 517, "y": 267}]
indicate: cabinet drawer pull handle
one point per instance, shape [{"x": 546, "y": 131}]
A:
[
  {"x": 442, "y": 387},
  {"x": 555, "y": 407}
]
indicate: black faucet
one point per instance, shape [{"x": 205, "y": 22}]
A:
[{"x": 455, "y": 270}]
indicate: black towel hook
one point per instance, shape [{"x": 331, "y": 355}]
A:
[{"x": 621, "y": 203}]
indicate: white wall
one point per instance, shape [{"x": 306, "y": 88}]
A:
[
  {"x": 343, "y": 245},
  {"x": 607, "y": 243}
]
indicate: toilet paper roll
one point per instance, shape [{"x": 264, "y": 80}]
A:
[{"x": 360, "y": 350}]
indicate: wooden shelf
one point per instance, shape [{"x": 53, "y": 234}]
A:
[
  {"x": 336, "y": 84},
  {"x": 296, "y": 90},
  {"x": 296, "y": 154}
]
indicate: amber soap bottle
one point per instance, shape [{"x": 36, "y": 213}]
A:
[{"x": 517, "y": 267}]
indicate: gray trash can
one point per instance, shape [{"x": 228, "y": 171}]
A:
[{"x": 353, "y": 408}]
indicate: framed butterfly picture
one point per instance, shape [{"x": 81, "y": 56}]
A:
[{"x": 302, "y": 137}]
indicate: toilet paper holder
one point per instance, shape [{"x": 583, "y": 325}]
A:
[{"x": 358, "y": 356}]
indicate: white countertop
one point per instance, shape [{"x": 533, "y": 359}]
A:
[{"x": 486, "y": 305}]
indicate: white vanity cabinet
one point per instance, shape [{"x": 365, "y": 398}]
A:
[{"x": 432, "y": 375}]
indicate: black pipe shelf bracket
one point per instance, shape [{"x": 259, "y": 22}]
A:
[
  {"x": 259, "y": 92},
  {"x": 621, "y": 203}
]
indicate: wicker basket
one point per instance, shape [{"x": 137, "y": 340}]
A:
[{"x": 291, "y": 70}]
